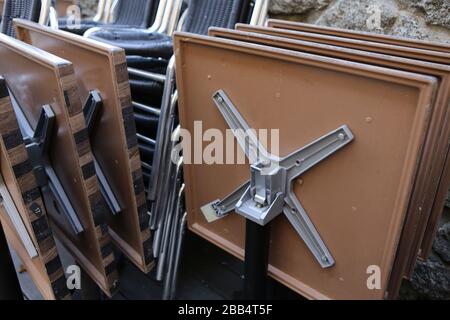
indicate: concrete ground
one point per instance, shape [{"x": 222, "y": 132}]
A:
[{"x": 207, "y": 273}]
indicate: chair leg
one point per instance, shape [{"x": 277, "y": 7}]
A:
[
  {"x": 164, "y": 192},
  {"x": 45, "y": 11},
  {"x": 168, "y": 221},
  {"x": 100, "y": 10},
  {"x": 170, "y": 18},
  {"x": 174, "y": 241},
  {"x": 162, "y": 128},
  {"x": 180, "y": 236},
  {"x": 165, "y": 182},
  {"x": 263, "y": 14},
  {"x": 164, "y": 158},
  {"x": 256, "y": 12}
]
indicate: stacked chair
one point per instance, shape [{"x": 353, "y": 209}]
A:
[
  {"x": 362, "y": 158},
  {"x": 200, "y": 16},
  {"x": 33, "y": 10},
  {"x": 118, "y": 13}
]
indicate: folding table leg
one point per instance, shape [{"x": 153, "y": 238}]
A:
[
  {"x": 181, "y": 233},
  {"x": 10, "y": 287},
  {"x": 257, "y": 240}
]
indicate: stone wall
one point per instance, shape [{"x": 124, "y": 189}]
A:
[{"x": 420, "y": 19}]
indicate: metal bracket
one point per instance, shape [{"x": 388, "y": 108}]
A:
[
  {"x": 38, "y": 143},
  {"x": 91, "y": 111},
  {"x": 220, "y": 208},
  {"x": 270, "y": 190}
]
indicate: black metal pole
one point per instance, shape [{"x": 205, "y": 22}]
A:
[
  {"x": 257, "y": 240},
  {"x": 9, "y": 284}
]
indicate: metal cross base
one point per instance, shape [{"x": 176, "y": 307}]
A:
[
  {"x": 91, "y": 111},
  {"x": 37, "y": 143},
  {"x": 270, "y": 190}
]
